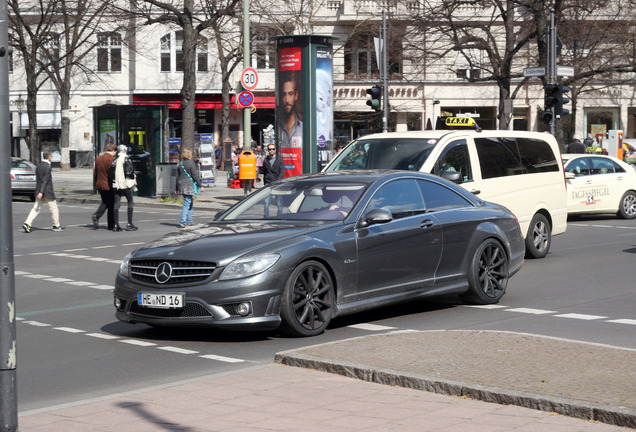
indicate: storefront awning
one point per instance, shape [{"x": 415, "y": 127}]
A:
[{"x": 203, "y": 101}]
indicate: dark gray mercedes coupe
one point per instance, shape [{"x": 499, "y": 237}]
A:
[{"x": 310, "y": 248}]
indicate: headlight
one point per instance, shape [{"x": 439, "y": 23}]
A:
[
  {"x": 123, "y": 267},
  {"x": 248, "y": 266}
]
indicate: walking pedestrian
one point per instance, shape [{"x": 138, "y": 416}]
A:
[
  {"x": 102, "y": 184},
  {"x": 187, "y": 186},
  {"x": 273, "y": 168},
  {"x": 576, "y": 146},
  {"x": 44, "y": 193},
  {"x": 123, "y": 179}
]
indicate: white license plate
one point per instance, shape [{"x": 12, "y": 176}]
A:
[
  {"x": 160, "y": 300},
  {"x": 26, "y": 176}
]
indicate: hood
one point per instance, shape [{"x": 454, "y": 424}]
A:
[{"x": 219, "y": 242}]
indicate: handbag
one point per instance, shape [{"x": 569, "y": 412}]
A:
[{"x": 196, "y": 186}]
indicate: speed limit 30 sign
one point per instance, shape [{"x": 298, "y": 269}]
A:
[{"x": 249, "y": 78}]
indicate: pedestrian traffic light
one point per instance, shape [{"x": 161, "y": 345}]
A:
[
  {"x": 561, "y": 100},
  {"x": 547, "y": 116},
  {"x": 376, "y": 97}
]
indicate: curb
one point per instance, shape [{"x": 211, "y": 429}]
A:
[{"x": 617, "y": 416}]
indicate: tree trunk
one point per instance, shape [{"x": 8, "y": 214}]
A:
[
  {"x": 65, "y": 164},
  {"x": 188, "y": 90}
]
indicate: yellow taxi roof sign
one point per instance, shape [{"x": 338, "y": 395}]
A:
[{"x": 460, "y": 121}]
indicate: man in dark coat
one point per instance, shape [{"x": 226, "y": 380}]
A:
[
  {"x": 576, "y": 146},
  {"x": 273, "y": 168},
  {"x": 103, "y": 186},
  {"x": 44, "y": 193}
]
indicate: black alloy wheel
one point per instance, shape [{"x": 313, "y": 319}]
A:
[
  {"x": 308, "y": 301},
  {"x": 488, "y": 274}
]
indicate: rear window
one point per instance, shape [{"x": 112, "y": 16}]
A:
[
  {"x": 395, "y": 153},
  {"x": 502, "y": 157}
]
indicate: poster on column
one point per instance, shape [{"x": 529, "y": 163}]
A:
[
  {"x": 324, "y": 105},
  {"x": 289, "y": 110}
]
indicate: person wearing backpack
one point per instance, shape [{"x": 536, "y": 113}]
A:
[{"x": 187, "y": 185}]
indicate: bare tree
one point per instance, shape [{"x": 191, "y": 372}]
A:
[{"x": 193, "y": 18}]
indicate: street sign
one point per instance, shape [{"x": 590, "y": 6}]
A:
[
  {"x": 565, "y": 71},
  {"x": 249, "y": 78},
  {"x": 534, "y": 71},
  {"x": 245, "y": 99}
]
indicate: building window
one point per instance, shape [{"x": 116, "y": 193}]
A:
[
  {"x": 264, "y": 47},
  {"x": 360, "y": 58},
  {"x": 109, "y": 52},
  {"x": 171, "y": 53},
  {"x": 49, "y": 53}
]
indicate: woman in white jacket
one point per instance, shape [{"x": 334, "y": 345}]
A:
[{"x": 123, "y": 179}]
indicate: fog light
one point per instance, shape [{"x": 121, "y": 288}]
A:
[
  {"x": 243, "y": 309},
  {"x": 117, "y": 303}
]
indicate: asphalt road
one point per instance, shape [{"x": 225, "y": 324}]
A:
[{"x": 71, "y": 347}]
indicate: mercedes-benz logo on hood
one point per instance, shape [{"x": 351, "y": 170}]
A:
[{"x": 163, "y": 272}]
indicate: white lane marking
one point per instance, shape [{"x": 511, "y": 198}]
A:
[
  {"x": 137, "y": 342},
  {"x": 69, "y": 329},
  {"x": 371, "y": 327},
  {"x": 102, "y": 336},
  {"x": 79, "y": 256},
  {"x": 58, "y": 279},
  {"x": 531, "y": 311},
  {"x": 221, "y": 358},
  {"x": 104, "y": 247},
  {"x": 102, "y": 287},
  {"x": 81, "y": 283},
  {"x": 494, "y": 306},
  {"x": 98, "y": 259},
  {"x": 37, "y": 276},
  {"x": 37, "y": 324},
  {"x": 623, "y": 321},
  {"x": 75, "y": 250},
  {"x": 177, "y": 350},
  {"x": 62, "y": 254},
  {"x": 115, "y": 261},
  {"x": 21, "y": 273},
  {"x": 581, "y": 316},
  {"x": 132, "y": 244}
]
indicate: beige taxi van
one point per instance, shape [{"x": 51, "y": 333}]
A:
[{"x": 520, "y": 170}]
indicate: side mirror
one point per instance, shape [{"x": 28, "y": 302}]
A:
[
  {"x": 377, "y": 216},
  {"x": 569, "y": 175},
  {"x": 455, "y": 177}
]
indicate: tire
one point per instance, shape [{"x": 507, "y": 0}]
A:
[
  {"x": 488, "y": 274},
  {"x": 308, "y": 301},
  {"x": 32, "y": 198},
  {"x": 627, "y": 208},
  {"x": 539, "y": 237}
]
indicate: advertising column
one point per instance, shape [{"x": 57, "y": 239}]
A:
[{"x": 304, "y": 102}]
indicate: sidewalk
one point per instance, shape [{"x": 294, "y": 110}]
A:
[{"x": 438, "y": 381}]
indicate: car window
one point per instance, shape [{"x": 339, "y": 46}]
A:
[
  {"x": 601, "y": 166},
  {"x": 438, "y": 197},
  {"x": 401, "y": 197},
  {"x": 394, "y": 153},
  {"x": 536, "y": 156},
  {"x": 579, "y": 167},
  {"x": 455, "y": 159},
  {"x": 617, "y": 167},
  {"x": 498, "y": 157}
]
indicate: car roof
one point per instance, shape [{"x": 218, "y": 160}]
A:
[{"x": 439, "y": 133}]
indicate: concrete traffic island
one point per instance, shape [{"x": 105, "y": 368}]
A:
[{"x": 581, "y": 380}]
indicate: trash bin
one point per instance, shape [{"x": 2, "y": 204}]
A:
[{"x": 247, "y": 166}]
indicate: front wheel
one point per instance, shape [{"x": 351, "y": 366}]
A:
[
  {"x": 308, "y": 301},
  {"x": 487, "y": 274},
  {"x": 539, "y": 237},
  {"x": 627, "y": 208}
]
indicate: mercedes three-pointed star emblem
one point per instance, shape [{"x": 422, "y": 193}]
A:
[{"x": 163, "y": 272}]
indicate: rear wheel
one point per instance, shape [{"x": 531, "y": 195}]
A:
[
  {"x": 539, "y": 237},
  {"x": 487, "y": 274},
  {"x": 309, "y": 300},
  {"x": 627, "y": 207}
]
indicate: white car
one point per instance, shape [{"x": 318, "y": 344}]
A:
[{"x": 600, "y": 184}]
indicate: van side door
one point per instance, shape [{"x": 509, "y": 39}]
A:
[{"x": 455, "y": 159}]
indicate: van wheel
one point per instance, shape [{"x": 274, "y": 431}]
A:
[
  {"x": 627, "y": 208},
  {"x": 539, "y": 237},
  {"x": 487, "y": 274}
]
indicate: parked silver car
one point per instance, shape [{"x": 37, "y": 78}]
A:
[{"x": 22, "y": 178}]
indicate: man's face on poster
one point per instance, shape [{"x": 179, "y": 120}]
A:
[{"x": 289, "y": 97}]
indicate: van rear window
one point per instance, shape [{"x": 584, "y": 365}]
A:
[{"x": 501, "y": 157}]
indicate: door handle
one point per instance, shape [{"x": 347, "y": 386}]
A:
[{"x": 427, "y": 223}]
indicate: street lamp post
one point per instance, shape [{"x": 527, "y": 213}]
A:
[{"x": 19, "y": 103}]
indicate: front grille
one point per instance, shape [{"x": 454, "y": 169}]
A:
[
  {"x": 191, "y": 310},
  {"x": 183, "y": 272}
]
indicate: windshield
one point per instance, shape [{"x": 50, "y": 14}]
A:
[
  {"x": 306, "y": 200},
  {"x": 393, "y": 153}
]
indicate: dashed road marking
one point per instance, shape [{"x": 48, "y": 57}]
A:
[
  {"x": 221, "y": 358},
  {"x": 623, "y": 321},
  {"x": 69, "y": 329},
  {"x": 531, "y": 311},
  {"x": 581, "y": 316},
  {"x": 102, "y": 336},
  {"x": 371, "y": 327},
  {"x": 137, "y": 342},
  {"x": 177, "y": 350}
]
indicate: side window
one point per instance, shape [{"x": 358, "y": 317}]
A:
[
  {"x": 617, "y": 167},
  {"x": 536, "y": 156},
  {"x": 455, "y": 159},
  {"x": 401, "y": 197},
  {"x": 602, "y": 166},
  {"x": 498, "y": 157},
  {"x": 438, "y": 197},
  {"x": 580, "y": 167}
]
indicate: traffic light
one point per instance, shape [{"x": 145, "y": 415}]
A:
[
  {"x": 561, "y": 100},
  {"x": 551, "y": 96},
  {"x": 376, "y": 97},
  {"x": 547, "y": 116}
]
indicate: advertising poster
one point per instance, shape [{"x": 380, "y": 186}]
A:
[
  {"x": 107, "y": 133},
  {"x": 324, "y": 105},
  {"x": 289, "y": 115}
]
